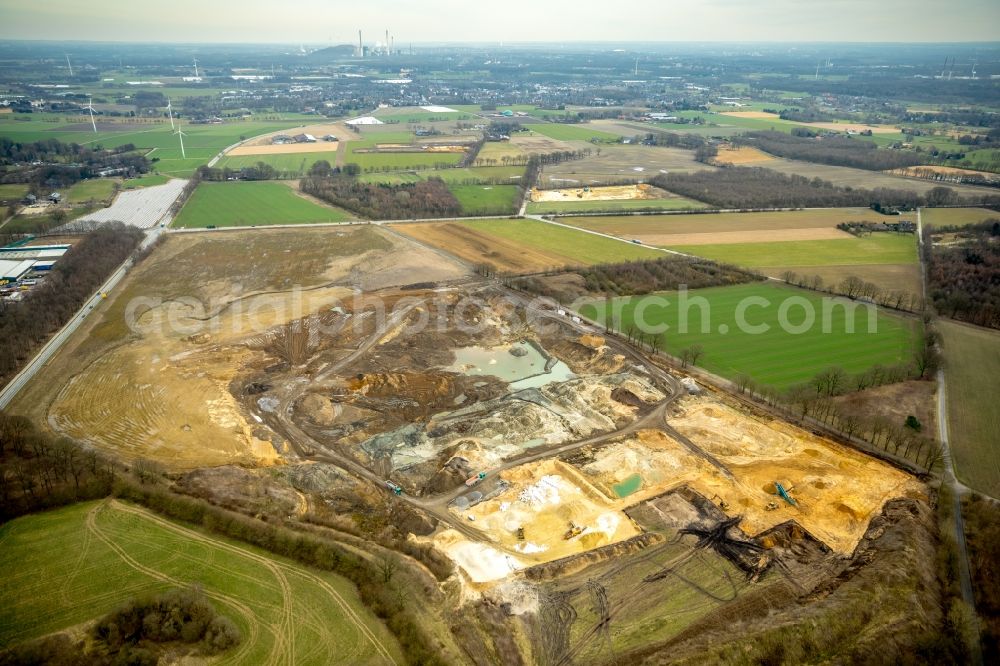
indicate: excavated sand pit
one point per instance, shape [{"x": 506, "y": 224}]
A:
[
  {"x": 485, "y": 434},
  {"x": 559, "y": 511},
  {"x": 837, "y": 490},
  {"x": 155, "y": 377}
]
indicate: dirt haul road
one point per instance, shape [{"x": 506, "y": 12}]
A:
[{"x": 308, "y": 448}]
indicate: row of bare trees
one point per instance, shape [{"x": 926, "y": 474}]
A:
[
  {"x": 38, "y": 471},
  {"x": 855, "y": 288},
  {"x": 835, "y": 150},
  {"x": 25, "y": 325}
]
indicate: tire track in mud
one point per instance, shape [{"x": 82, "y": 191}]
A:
[
  {"x": 349, "y": 612},
  {"x": 244, "y": 611}
]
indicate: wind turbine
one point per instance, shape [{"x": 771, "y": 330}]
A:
[
  {"x": 170, "y": 112},
  {"x": 69, "y": 64},
  {"x": 196, "y": 75},
  {"x": 90, "y": 107},
  {"x": 180, "y": 135}
]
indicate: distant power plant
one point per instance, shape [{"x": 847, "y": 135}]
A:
[{"x": 385, "y": 48}]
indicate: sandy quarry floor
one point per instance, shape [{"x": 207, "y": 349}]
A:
[
  {"x": 546, "y": 499},
  {"x": 838, "y": 490},
  {"x": 166, "y": 396},
  {"x": 162, "y": 391},
  {"x": 610, "y": 193}
]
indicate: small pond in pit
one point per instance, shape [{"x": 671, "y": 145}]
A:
[
  {"x": 627, "y": 486},
  {"x": 522, "y": 365}
]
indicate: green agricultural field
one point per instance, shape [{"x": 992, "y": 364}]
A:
[
  {"x": 675, "y": 203},
  {"x": 13, "y": 192},
  {"x": 156, "y": 139},
  {"x": 961, "y": 217},
  {"x": 486, "y": 199},
  {"x": 574, "y": 132},
  {"x": 252, "y": 204},
  {"x": 582, "y": 248},
  {"x": 289, "y": 163},
  {"x": 69, "y": 566},
  {"x": 972, "y": 383},
  {"x": 457, "y": 175},
  {"x": 881, "y": 248},
  {"x": 97, "y": 189},
  {"x": 631, "y": 226},
  {"x": 147, "y": 180},
  {"x": 986, "y": 159},
  {"x": 736, "y": 122},
  {"x": 370, "y": 162},
  {"x": 774, "y": 355},
  {"x": 421, "y": 116}
]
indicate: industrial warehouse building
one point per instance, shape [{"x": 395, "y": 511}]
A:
[
  {"x": 16, "y": 262},
  {"x": 12, "y": 270}
]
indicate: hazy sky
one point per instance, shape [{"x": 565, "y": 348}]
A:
[{"x": 325, "y": 21}]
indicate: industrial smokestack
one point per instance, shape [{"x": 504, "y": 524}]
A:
[
  {"x": 387, "y": 42},
  {"x": 361, "y": 46}
]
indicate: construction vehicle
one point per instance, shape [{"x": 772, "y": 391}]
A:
[
  {"x": 723, "y": 504},
  {"x": 473, "y": 480},
  {"x": 574, "y": 530},
  {"x": 396, "y": 490},
  {"x": 783, "y": 493},
  {"x": 520, "y": 534}
]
